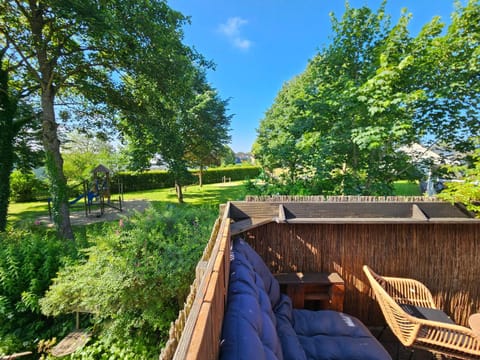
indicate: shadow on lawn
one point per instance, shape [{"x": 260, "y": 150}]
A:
[{"x": 219, "y": 195}]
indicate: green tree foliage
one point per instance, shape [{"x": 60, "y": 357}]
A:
[
  {"x": 228, "y": 156},
  {"x": 467, "y": 190},
  {"x": 83, "y": 151},
  {"x": 17, "y": 133},
  {"x": 135, "y": 280},
  {"x": 29, "y": 259},
  {"x": 189, "y": 131},
  {"x": 207, "y": 128},
  {"x": 448, "y": 74},
  {"x": 65, "y": 48},
  {"x": 25, "y": 186},
  {"x": 337, "y": 127}
]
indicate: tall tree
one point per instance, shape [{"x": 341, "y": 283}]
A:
[
  {"x": 206, "y": 128},
  {"x": 281, "y": 130},
  {"x": 16, "y": 133},
  {"x": 448, "y": 72},
  {"x": 373, "y": 89},
  {"x": 193, "y": 128},
  {"x": 154, "y": 125},
  {"x": 89, "y": 47}
]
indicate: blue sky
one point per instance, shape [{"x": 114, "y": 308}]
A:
[{"x": 257, "y": 45}]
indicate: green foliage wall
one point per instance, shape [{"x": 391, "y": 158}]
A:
[
  {"x": 162, "y": 179},
  {"x": 26, "y": 187},
  {"x": 133, "y": 181},
  {"x": 212, "y": 176},
  {"x": 28, "y": 262},
  {"x": 135, "y": 281},
  {"x": 339, "y": 126}
]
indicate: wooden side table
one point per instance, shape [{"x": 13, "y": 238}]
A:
[{"x": 313, "y": 290}]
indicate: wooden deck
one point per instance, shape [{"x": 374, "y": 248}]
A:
[{"x": 397, "y": 351}]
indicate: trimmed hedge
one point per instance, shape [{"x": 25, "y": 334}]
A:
[
  {"x": 149, "y": 180},
  {"x": 159, "y": 179},
  {"x": 234, "y": 173}
]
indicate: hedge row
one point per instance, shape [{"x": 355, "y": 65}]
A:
[{"x": 158, "y": 179}]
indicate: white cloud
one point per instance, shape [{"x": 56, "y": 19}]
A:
[
  {"x": 242, "y": 43},
  {"x": 231, "y": 29}
]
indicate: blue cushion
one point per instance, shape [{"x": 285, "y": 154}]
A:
[
  {"x": 325, "y": 347},
  {"x": 309, "y": 323},
  {"x": 259, "y": 322},
  {"x": 271, "y": 284},
  {"x": 327, "y": 334},
  {"x": 249, "y": 325},
  {"x": 237, "y": 340},
  {"x": 291, "y": 347}
]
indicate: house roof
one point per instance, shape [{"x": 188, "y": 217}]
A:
[{"x": 102, "y": 169}]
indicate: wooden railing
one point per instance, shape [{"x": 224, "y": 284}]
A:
[{"x": 196, "y": 333}]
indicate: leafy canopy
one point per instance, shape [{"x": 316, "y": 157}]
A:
[{"x": 338, "y": 126}]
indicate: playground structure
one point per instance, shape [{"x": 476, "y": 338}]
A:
[{"x": 96, "y": 193}]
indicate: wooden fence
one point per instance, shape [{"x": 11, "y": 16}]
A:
[
  {"x": 434, "y": 242},
  {"x": 445, "y": 257},
  {"x": 196, "y": 332}
]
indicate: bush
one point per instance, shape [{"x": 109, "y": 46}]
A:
[
  {"x": 234, "y": 173},
  {"x": 148, "y": 180},
  {"x": 135, "y": 281},
  {"x": 26, "y": 187},
  {"x": 28, "y": 262},
  {"x": 467, "y": 190},
  {"x": 158, "y": 179}
]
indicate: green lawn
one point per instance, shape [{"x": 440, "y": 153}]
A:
[
  {"x": 207, "y": 194},
  {"x": 212, "y": 194},
  {"x": 407, "y": 188}
]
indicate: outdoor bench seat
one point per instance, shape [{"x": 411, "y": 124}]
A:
[{"x": 260, "y": 323}]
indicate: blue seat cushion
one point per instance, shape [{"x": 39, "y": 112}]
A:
[
  {"x": 291, "y": 347},
  {"x": 328, "y": 334}
]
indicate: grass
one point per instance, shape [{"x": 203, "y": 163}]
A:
[
  {"x": 407, "y": 188},
  {"x": 211, "y": 194}
]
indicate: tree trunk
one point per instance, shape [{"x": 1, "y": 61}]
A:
[
  {"x": 54, "y": 162},
  {"x": 200, "y": 176},
  {"x": 178, "y": 189}
]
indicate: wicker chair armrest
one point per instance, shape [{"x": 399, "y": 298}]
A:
[
  {"x": 452, "y": 336},
  {"x": 409, "y": 291}
]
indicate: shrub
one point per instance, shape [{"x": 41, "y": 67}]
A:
[
  {"x": 28, "y": 261},
  {"x": 162, "y": 179},
  {"x": 467, "y": 190},
  {"x": 233, "y": 173},
  {"x": 26, "y": 187},
  {"x": 135, "y": 280}
]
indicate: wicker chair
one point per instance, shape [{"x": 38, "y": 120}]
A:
[{"x": 411, "y": 314}]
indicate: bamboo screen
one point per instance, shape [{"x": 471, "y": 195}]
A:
[{"x": 444, "y": 256}]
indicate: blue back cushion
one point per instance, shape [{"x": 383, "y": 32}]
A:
[
  {"x": 271, "y": 284},
  {"x": 249, "y": 325}
]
